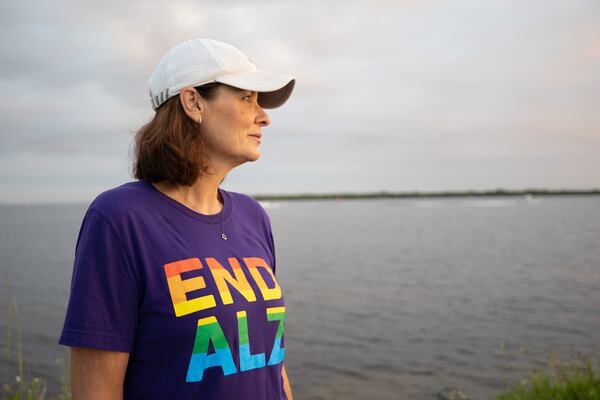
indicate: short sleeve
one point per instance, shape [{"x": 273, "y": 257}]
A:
[{"x": 103, "y": 306}]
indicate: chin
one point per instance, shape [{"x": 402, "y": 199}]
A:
[{"x": 253, "y": 157}]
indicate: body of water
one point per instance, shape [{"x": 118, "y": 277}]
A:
[{"x": 386, "y": 298}]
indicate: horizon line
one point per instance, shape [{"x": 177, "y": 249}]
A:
[{"x": 377, "y": 195}]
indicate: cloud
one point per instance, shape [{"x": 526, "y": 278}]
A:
[{"x": 379, "y": 84}]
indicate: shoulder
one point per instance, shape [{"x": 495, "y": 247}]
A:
[
  {"x": 245, "y": 200},
  {"x": 121, "y": 201},
  {"x": 248, "y": 205}
]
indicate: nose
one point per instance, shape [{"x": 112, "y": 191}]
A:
[{"x": 262, "y": 118}]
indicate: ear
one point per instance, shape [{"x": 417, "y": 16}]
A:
[{"x": 192, "y": 103}]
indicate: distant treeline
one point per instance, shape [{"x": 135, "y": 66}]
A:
[{"x": 385, "y": 194}]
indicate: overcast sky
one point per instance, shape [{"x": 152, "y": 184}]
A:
[{"x": 390, "y": 95}]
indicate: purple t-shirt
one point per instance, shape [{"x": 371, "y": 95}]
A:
[{"x": 202, "y": 317}]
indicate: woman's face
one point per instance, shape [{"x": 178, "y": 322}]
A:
[{"x": 232, "y": 123}]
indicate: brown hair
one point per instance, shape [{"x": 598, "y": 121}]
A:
[{"x": 169, "y": 147}]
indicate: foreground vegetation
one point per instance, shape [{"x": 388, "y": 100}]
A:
[
  {"x": 24, "y": 387},
  {"x": 574, "y": 381}
]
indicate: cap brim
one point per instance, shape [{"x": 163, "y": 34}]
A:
[{"x": 273, "y": 89}]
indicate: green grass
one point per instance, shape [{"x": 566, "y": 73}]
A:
[
  {"x": 574, "y": 381},
  {"x": 24, "y": 387}
]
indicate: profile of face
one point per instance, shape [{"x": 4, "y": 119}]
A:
[{"x": 232, "y": 122}]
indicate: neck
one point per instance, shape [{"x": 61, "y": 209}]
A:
[{"x": 201, "y": 197}]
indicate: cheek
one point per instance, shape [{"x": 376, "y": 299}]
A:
[
  {"x": 240, "y": 116},
  {"x": 233, "y": 118},
  {"x": 229, "y": 125}
]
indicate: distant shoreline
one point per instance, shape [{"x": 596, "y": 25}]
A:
[
  {"x": 528, "y": 193},
  {"x": 386, "y": 195}
]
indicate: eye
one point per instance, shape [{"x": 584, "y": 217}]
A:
[{"x": 248, "y": 96}]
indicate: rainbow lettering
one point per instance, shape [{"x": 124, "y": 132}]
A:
[
  {"x": 247, "y": 361},
  {"x": 268, "y": 293},
  {"x": 277, "y": 314},
  {"x": 222, "y": 277},
  {"x": 179, "y": 287},
  {"x": 209, "y": 330}
]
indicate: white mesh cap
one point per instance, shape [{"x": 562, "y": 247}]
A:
[{"x": 199, "y": 61}]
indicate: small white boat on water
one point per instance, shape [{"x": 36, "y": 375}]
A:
[{"x": 531, "y": 200}]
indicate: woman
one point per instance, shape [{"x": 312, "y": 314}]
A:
[{"x": 174, "y": 293}]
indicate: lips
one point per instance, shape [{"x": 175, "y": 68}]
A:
[{"x": 257, "y": 136}]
